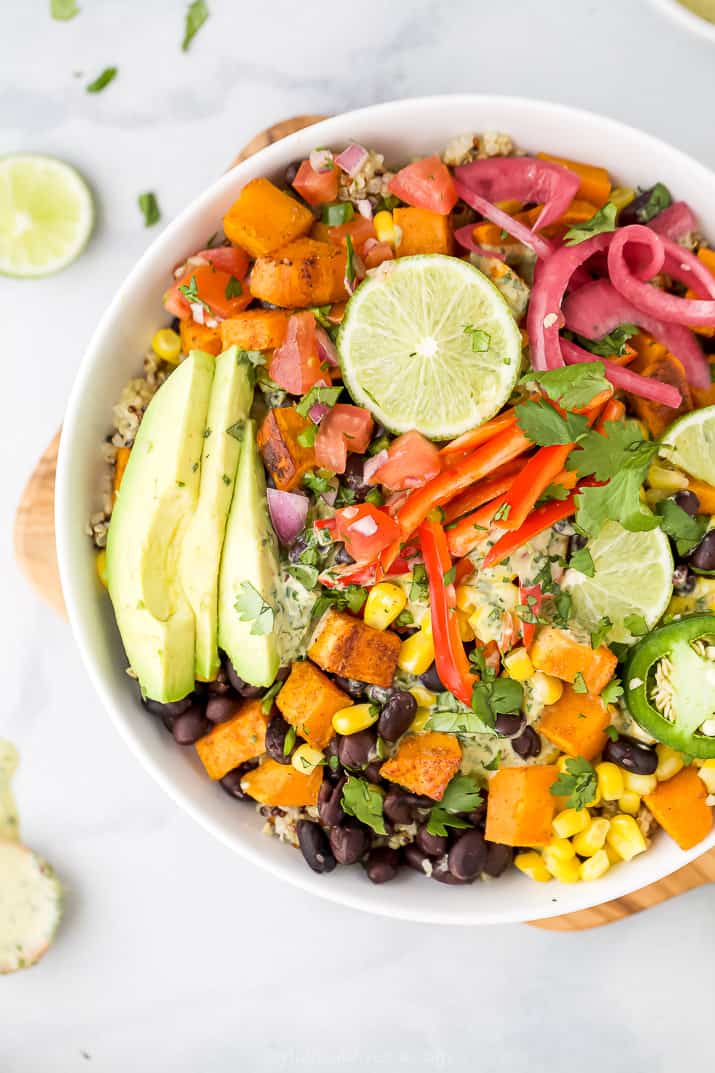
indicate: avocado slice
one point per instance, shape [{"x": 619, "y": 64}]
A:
[
  {"x": 158, "y": 497},
  {"x": 249, "y": 572},
  {"x": 230, "y": 402}
]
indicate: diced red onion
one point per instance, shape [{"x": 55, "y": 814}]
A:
[
  {"x": 317, "y": 412},
  {"x": 596, "y": 309},
  {"x": 464, "y": 237},
  {"x": 675, "y": 221},
  {"x": 364, "y": 208},
  {"x": 541, "y": 246},
  {"x": 321, "y": 160},
  {"x": 523, "y": 178},
  {"x": 372, "y": 465},
  {"x": 329, "y": 497},
  {"x": 326, "y": 348},
  {"x": 366, "y": 526},
  {"x": 645, "y": 386},
  {"x": 289, "y": 513},
  {"x": 352, "y": 159}
]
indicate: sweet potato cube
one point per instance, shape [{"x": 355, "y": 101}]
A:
[
  {"x": 240, "y": 738},
  {"x": 520, "y": 805},
  {"x": 265, "y": 218},
  {"x": 256, "y": 329},
  {"x": 576, "y": 723},
  {"x": 555, "y": 652},
  {"x": 303, "y": 273},
  {"x": 346, "y": 646},
  {"x": 422, "y": 231},
  {"x": 424, "y": 763},
  {"x": 281, "y": 785},
  {"x": 199, "y": 337},
  {"x": 283, "y": 455},
  {"x": 308, "y": 701},
  {"x": 679, "y": 805}
]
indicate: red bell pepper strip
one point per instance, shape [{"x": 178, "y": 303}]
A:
[
  {"x": 540, "y": 519},
  {"x": 450, "y": 658},
  {"x": 535, "y": 477},
  {"x": 477, "y": 436},
  {"x": 473, "y": 528},
  {"x": 500, "y": 481},
  {"x": 530, "y": 597},
  {"x": 614, "y": 410}
]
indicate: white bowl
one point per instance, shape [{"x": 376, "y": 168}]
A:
[
  {"x": 686, "y": 18},
  {"x": 399, "y": 129}
]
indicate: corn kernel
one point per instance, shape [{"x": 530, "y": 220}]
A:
[
  {"x": 639, "y": 784},
  {"x": 420, "y": 721},
  {"x": 570, "y": 822},
  {"x": 467, "y": 598},
  {"x": 593, "y": 838},
  {"x": 595, "y": 866},
  {"x": 545, "y": 688},
  {"x": 666, "y": 480},
  {"x": 532, "y": 865},
  {"x": 707, "y": 774},
  {"x": 425, "y": 623},
  {"x": 416, "y": 653},
  {"x": 355, "y": 718},
  {"x": 613, "y": 857},
  {"x": 669, "y": 763},
  {"x": 518, "y": 665},
  {"x": 465, "y": 630},
  {"x": 625, "y": 837},
  {"x": 166, "y": 344},
  {"x": 101, "y": 564},
  {"x": 384, "y": 603},
  {"x": 621, "y": 196},
  {"x": 384, "y": 227},
  {"x": 424, "y": 697},
  {"x": 629, "y": 802},
  {"x": 306, "y": 759},
  {"x": 560, "y": 849},
  {"x": 610, "y": 781},
  {"x": 568, "y": 871}
]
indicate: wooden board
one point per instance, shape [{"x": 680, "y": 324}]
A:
[{"x": 35, "y": 552}]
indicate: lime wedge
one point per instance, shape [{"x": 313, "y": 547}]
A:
[
  {"x": 633, "y": 575},
  {"x": 692, "y": 438},
  {"x": 428, "y": 343},
  {"x": 46, "y": 215}
]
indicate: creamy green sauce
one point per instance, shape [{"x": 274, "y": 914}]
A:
[
  {"x": 704, "y": 8},
  {"x": 9, "y": 818},
  {"x": 293, "y": 605}
]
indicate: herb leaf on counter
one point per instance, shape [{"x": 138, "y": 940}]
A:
[{"x": 196, "y": 15}]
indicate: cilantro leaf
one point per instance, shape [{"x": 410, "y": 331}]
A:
[
  {"x": 419, "y": 588},
  {"x": 234, "y": 288},
  {"x": 253, "y": 608},
  {"x": 462, "y": 795},
  {"x": 573, "y": 386},
  {"x": 581, "y": 560},
  {"x": 306, "y": 438},
  {"x": 601, "y": 454},
  {"x": 450, "y": 716},
  {"x": 450, "y": 575},
  {"x": 553, "y": 492},
  {"x": 350, "y": 273},
  {"x": 601, "y": 221},
  {"x": 546, "y": 427},
  {"x": 364, "y": 801},
  {"x": 440, "y": 819},
  {"x": 609, "y": 695},
  {"x": 658, "y": 199},
  {"x": 303, "y": 573},
  {"x": 612, "y": 733},
  {"x": 189, "y": 290},
  {"x": 609, "y": 345},
  {"x": 636, "y": 625},
  {"x": 326, "y": 395},
  {"x": 318, "y": 483},
  {"x": 499, "y": 697},
  {"x": 685, "y": 530},
  {"x": 196, "y": 15},
  {"x": 599, "y": 634},
  {"x": 102, "y": 80},
  {"x": 63, "y": 9},
  {"x": 481, "y": 340},
  {"x": 618, "y": 500},
  {"x": 149, "y": 207},
  {"x": 351, "y": 597},
  {"x": 578, "y": 783},
  {"x": 579, "y": 683}
]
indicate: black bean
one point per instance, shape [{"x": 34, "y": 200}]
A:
[
  {"x": 354, "y": 749},
  {"x": 703, "y": 557},
  {"x": 687, "y": 501},
  {"x": 242, "y": 688},
  {"x": 291, "y": 172},
  {"x": 343, "y": 556},
  {"x": 231, "y": 782},
  {"x": 299, "y": 545},
  {"x": 631, "y": 755},
  {"x": 371, "y": 772},
  {"x": 190, "y": 726},
  {"x": 683, "y": 580},
  {"x": 509, "y": 726},
  {"x": 527, "y": 744},
  {"x": 275, "y": 740},
  {"x": 635, "y": 212},
  {"x": 498, "y": 859},
  {"x": 171, "y": 709},
  {"x": 220, "y": 685},
  {"x": 576, "y": 542},
  {"x": 396, "y": 807},
  {"x": 282, "y": 673},
  {"x": 397, "y": 715},
  {"x": 415, "y": 858},
  {"x": 478, "y": 815},
  {"x": 219, "y": 709},
  {"x": 353, "y": 476},
  {"x": 315, "y": 847},
  {"x": 350, "y": 686},
  {"x": 329, "y": 802},
  {"x": 468, "y": 855},
  {"x": 379, "y": 694},
  {"x": 348, "y": 842},
  {"x": 432, "y": 845},
  {"x": 563, "y": 527},
  {"x": 383, "y": 864},
  {"x": 431, "y": 680},
  {"x": 442, "y": 874}
]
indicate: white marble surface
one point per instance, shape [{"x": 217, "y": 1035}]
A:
[{"x": 175, "y": 954}]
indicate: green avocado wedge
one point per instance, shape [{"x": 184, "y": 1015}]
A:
[
  {"x": 249, "y": 570},
  {"x": 230, "y": 402},
  {"x": 158, "y": 497}
]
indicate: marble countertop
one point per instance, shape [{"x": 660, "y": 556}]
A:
[{"x": 174, "y": 954}]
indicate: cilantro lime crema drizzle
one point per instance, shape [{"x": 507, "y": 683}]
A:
[{"x": 9, "y": 819}]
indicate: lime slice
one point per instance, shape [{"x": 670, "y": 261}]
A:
[
  {"x": 633, "y": 575},
  {"x": 692, "y": 438},
  {"x": 46, "y": 215},
  {"x": 405, "y": 353}
]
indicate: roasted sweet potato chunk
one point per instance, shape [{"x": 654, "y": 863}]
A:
[
  {"x": 520, "y": 806},
  {"x": 556, "y": 652},
  {"x": 278, "y": 443},
  {"x": 240, "y": 738},
  {"x": 256, "y": 329},
  {"x": 199, "y": 337},
  {"x": 424, "y": 763},
  {"x": 263, "y": 218},
  {"x": 303, "y": 273},
  {"x": 422, "y": 231},
  {"x": 680, "y": 807},
  {"x": 576, "y": 723},
  {"x": 346, "y": 646},
  {"x": 308, "y": 701},
  {"x": 281, "y": 785}
]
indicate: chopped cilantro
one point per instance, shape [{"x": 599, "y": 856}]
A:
[
  {"x": 63, "y": 9},
  {"x": 375, "y": 497},
  {"x": 546, "y": 427},
  {"x": 364, "y": 801},
  {"x": 581, "y": 560},
  {"x": 351, "y": 597},
  {"x": 102, "y": 80},
  {"x": 349, "y": 264},
  {"x": 599, "y": 634},
  {"x": 636, "y": 625},
  {"x": 306, "y": 438},
  {"x": 450, "y": 575},
  {"x": 607, "y": 346},
  {"x": 658, "y": 199},
  {"x": 326, "y": 395},
  {"x": 612, "y": 692},
  {"x": 196, "y": 15},
  {"x": 573, "y": 386},
  {"x": 481, "y": 340},
  {"x": 269, "y": 696},
  {"x": 553, "y": 492},
  {"x": 612, "y": 733},
  {"x": 685, "y": 530},
  {"x": 253, "y": 608},
  {"x": 419, "y": 588},
  {"x": 319, "y": 483},
  {"x": 234, "y": 288},
  {"x": 602, "y": 221},
  {"x": 149, "y": 207},
  {"x": 462, "y": 795},
  {"x": 578, "y": 783},
  {"x": 579, "y": 683},
  {"x": 306, "y": 574}
]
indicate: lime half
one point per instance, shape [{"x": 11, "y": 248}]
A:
[
  {"x": 46, "y": 215},
  {"x": 633, "y": 575},
  {"x": 692, "y": 439},
  {"x": 428, "y": 343}
]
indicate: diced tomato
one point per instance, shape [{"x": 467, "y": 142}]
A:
[
  {"x": 412, "y": 460},
  {"x": 376, "y": 253},
  {"x": 530, "y": 598},
  {"x": 359, "y": 229},
  {"x": 426, "y": 184},
  {"x": 212, "y": 285},
  {"x": 295, "y": 364},
  {"x": 316, "y": 187},
  {"x": 365, "y": 530},
  {"x": 226, "y": 258},
  {"x": 345, "y": 428}
]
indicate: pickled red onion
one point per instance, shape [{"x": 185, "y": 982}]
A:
[
  {"x": 541, "y": 246},
  {"x": 675, "y": 221},
  {"x": 352, "y": 159},
  {"x": 463, "y": 236},
  {"x": 523, "y": 178},
  {"x": 644, "y": 386}
]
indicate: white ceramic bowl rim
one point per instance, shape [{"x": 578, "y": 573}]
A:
[
  {"x": 413, "y": 125},
  {"x": 687, "y": 19}
]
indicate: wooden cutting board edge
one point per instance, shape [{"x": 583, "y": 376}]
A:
[{"x": 34, "y": 539}]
